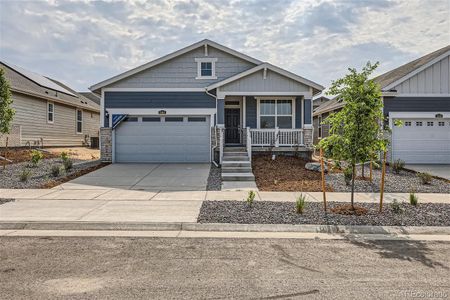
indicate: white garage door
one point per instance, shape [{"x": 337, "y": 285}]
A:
[
  {"x": 422, "y": 141},
  {"x": 163, "y": 139}
]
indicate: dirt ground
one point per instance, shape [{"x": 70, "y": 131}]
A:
[
  {"x": 20, "y": 155},
  {"x": 81, "y": 153},
  {"x": 285, "y": 173}
]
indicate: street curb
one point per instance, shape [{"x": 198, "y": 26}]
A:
[{"x": 226, "y": 227}]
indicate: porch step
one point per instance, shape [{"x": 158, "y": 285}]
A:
[
  {"x": 236, "y": 164},
  {"x": 238, "y": 177},
  {"x": 235, "y": 158},
  {"x": 229, "y": 153},
  {"x": 234, "y": 149},
  {"x": 227, "y": 169}
]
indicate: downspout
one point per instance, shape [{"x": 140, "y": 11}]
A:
[{"x": 215, "y": 131}]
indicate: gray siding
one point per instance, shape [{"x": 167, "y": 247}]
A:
[
  {"x": 433, "y": 80},
  {"x": 274, "y": 82},
  {"x": 180, "y": 72},
  {"x": 416, "y": 104},
  {"x": 31, "y": 116},
  {"x": 250, "y": 113},
  {"x": 298, "y": 112},
  {"x": 307, "y": 111},
  {"x": 157, "y": 100},
  {"x": 220, "y": 111}
]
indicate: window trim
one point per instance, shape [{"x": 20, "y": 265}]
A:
[
  {"x": 77, "y": 121},
  {"x": 319, "y": 127},
  {"x": 199, "y": 67},
  {"x": 53, "y": 112},
  {"x": 258, "y": 110}
]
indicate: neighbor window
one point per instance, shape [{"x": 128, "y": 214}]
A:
[
  {"x": 441, "y": 123},
  {"x": 430, "y": 123},
  {"x": 174, "y": 119},
  {"x": 419, "y": 124},
  {"x": 50, "y": 112},
  {"x": 275, "y": 113},
  {"x": 206, "y": 68},
  {"x": 151, "y": 119},
  {"x": 79, "y": 121},
  {"x": 196, "y": 119},
  {"x": 320, "y": 126},
  {"x": 408, "y": 123}
]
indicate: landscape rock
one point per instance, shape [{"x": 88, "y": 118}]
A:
[{"x": 315, "y": 166}]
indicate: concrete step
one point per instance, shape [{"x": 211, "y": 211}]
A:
[
  {"x": 242, "y": 153},
  {"x": 234, "y": 149},
  {"x": 236, "y": 169},
  {"x": 235, "y": 158},
  {"x": 238, "y": 177},
  {"x": 236, "y": 164}
]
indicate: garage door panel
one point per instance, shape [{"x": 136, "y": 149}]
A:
[
  {"x": 163, "y": 141},
  {"x": 428, "y": 143}
]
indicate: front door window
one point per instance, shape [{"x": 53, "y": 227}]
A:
[{"x": 232, "y": 125}]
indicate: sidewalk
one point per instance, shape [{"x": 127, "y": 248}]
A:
[{"x": 117, "y": 205}]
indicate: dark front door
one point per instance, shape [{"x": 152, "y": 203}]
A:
[{"x": 232, "y": 124}]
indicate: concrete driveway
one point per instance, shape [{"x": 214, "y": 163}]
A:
[
  {"x": 149, "y": 177},
  {"x": 442, "y": 171}
]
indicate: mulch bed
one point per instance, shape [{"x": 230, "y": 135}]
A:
[
  {"x": 268, "y": 212},
  {"x": 21, "y": 155},
  {"x": 285, "y": 173},
  {"x": 54, "y": 182}
]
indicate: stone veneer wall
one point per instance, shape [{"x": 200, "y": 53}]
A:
[
  {"x": 106, "y": 144},
  {"x": 307, "y": 137}
]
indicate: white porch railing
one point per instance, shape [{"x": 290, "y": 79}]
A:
[{"x": 277, "y": 137}]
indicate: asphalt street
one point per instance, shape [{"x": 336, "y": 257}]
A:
[{"x": 205, "y": 268}]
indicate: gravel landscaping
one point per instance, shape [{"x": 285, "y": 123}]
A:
[
  {"x": 268, "y": 212},
  {"x": 214, "y": 179},
  {"x": 404, "y": 182},
  {"x": 40, "y": 176}
]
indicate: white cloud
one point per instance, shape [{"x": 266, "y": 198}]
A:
[{"x": 84, "y": 42}]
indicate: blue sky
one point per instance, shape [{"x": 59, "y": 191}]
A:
[{"x": 84, "y": 42}]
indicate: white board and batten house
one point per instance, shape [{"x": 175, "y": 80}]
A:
[
  {"x": 189, "y": 105},
  {"x": 48, "y": 113},
  {"x": 418, "y": 94}
]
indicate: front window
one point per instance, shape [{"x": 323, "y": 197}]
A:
[
  {"x": 79, "y": 121},
  {"x": 206, "y": 68},
  {"x": 275, "y": 113},
  {"x": 50, "y": 112}
]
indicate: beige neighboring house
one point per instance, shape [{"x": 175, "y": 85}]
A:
[{"x": 48, "y": 113}]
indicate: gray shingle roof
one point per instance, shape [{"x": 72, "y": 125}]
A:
[
  {"x": 20, "y": 83},
  {"x": 389, "y": 77},
  {"x": 330, "y": 105}
]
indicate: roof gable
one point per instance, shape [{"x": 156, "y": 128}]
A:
[
  {"x": 394, "y": 77},
  {"x": 204, "y": 43}
]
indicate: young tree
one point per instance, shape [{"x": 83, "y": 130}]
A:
[
  {"x": 6, "y": 112},
  {"x": 356, "y": 130}
]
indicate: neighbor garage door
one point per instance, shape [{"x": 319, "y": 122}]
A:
[
  {"x": 163, "y": 139},
  {"x": 422, "y": 141}
]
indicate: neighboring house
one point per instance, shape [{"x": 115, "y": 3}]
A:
[
  {"x": 417, "y": 93},
  {"x": 321, "y": 113},
  {"x": 189, "y": 105},
  {"x": 94, "y": 97},
  {"x": 47, "y": 112},
  {"x": 319, "y": 100}
]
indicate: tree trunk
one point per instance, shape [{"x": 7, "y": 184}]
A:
[
  {"x": 353, "y": 185},
  {"x": 362, "y": 170}
]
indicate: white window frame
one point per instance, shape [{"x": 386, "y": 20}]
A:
[
  {"x": 292, "y": 115},
  {"x": 52, "y": 113},
  {"x": 77, "y": 121},
  {"x": 199, "y": 67}
]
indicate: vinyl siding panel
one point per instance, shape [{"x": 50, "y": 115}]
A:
[
  {"x": 414, "y": 104},
  {"x": 274, "y": 82},
  {"x": 433, "y": 80},
  {"x": 31, "y": 115},
  {"x": 181, "y": 71}
]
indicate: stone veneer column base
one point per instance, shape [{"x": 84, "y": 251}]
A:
[{"x": 106, "y": 144}]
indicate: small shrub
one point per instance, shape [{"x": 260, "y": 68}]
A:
[
  {"x": 36, "y": 157},
  {"x": 64, "y": 156},
  {"x": 250, "y": 198},
  {"x": 398, "y": 165},
  {"x": 25, "y": 175},
  {"x": 413, "y": 199},
  {"x": 348, "y": 175},
  {"x": 300, "y": 204},
  {"x": 396, "y": 207},
  {"x": 56, "y": 170},
  {"x": 68, "y": 165},
  {"x": 426, "y": 178}
]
